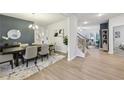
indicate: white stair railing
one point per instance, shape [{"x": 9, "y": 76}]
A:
[{"x": 82, "y": 43}]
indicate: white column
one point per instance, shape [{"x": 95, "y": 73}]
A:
[
  {"x": 72, "y": 35},
  {"x": 110, "y": 39}
]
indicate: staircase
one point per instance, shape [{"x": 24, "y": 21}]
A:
[{"x": 82, "y": 45}]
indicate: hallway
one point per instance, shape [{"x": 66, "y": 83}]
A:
[{"x": 97, "y": 65}]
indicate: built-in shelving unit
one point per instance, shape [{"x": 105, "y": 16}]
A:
[
  {"x": 105, "y": 39},
  {"x": 104, "y": 36}
]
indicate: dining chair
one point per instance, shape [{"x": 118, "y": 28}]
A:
[
  {"x": 44, "y": 52},
  {"x": 24, "y": 45},
  {"x": 51, "y": 48},
  {"x": 6, "y": 58},
  {"x": 30, "y": 53}
]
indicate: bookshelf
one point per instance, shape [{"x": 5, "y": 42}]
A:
[{"x": 105, "y": 39}]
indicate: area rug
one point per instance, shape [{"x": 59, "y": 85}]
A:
[{"x": 22, "y": 72}]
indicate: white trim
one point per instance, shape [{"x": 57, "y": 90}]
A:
[
  {"x": 69, "y": 59},
  {"x": 110, "y": 52}
]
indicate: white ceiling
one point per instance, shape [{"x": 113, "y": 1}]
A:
[
  {"x": 49, "y": 18},
  {"x": 93, "y": 18},
  {"x": 39, "y": 18}
]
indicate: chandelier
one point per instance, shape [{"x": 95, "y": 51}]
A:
[{"x": 33, "y": 26}]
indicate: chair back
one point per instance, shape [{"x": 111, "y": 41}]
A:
[
  {"x": 44, "y": 49},
  {"x": 31, "y": 52},
  {"x": 7, "y": 57}
]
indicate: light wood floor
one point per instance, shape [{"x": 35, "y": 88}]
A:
[{"x": 96, "y": 66}]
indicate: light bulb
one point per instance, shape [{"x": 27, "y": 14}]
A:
[
  {"x": 36, "y": 26},
  {"x": 42, "y": 33},
  {"x": 30, "y": 26},
  {"x": 100, "y": 14},
  {"x": 85, "y": 22}
]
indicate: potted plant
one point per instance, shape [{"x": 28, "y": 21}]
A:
[{"x": 65, "y": 40}]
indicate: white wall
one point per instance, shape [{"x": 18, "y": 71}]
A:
[
  {"x": 51, "y": 29},
  {"x": 70, "y": 27},
  {"x": 38, "y": 34},
  {"x": 119, "y": 40},
  {"x": 115, "y": 21}
]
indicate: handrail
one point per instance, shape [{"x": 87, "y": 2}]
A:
[
  {"x": 85, "y": 45},
  {"x": 82, "y": 36}
]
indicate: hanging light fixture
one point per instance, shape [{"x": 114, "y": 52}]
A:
[
  {"x": 33, "y": 26},
  {"x": 5, "y": 38}
]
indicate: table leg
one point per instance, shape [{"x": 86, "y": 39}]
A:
[{"x": 16, "y": 61}]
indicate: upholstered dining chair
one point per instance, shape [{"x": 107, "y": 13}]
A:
[
  {"x": 20, "y": 55},
  {"x": 6, "y": 58},
  {"x": 30, "y": 53},
  {"x": 44, "y": 51},
  {"x": 51, "y": 48}
]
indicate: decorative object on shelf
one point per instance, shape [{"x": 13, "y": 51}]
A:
[
  {"x": 105, "y": 39},
  {"x": 65, "y": 40},
  {"x": 117, "y": 34},
  {"x": 59, "y": 33},
  {"x": 14, "y": 34},
  {"x": 121, "y": 46},
  {"x": 33, "y": 26},
  {"x": 56, "y": 34}
]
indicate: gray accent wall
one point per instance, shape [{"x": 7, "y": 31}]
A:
[{"x": 7, "y": 23}]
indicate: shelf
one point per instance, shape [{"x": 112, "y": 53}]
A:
[{"x": 104, "y": 39}]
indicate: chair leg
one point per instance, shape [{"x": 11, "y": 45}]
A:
[
  {"x": 35, "y": 61},
  {"x": 11, "y": 63},
  {"x": 26, "y": 63},
  {"x": 50, "y": 52},
  {"x": 23, "y": 60},
  {"x": 41, "y": 58},
  {"x": 47, "y": 56}
]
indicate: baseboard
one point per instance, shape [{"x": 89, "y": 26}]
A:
[
  {"x": 61, "y": 52},
  {"x": 110, "y": 53},
  {"x": 69, "y": 59}
]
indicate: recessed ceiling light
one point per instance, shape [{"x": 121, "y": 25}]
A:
[
  {"x": 100, "y": 14},
  {"x": 34, "y": 14},
  {"x": 85, "y": 22}
]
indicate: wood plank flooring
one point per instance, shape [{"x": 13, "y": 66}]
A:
[{"x": 96, "y": 66}]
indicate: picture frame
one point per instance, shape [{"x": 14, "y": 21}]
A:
[{"x": 117, "y": 34}]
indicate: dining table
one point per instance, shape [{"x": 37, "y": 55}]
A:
[{"x": 18, "y": 52}]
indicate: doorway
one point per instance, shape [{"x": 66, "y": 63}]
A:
[{"x": 118, "y": 40}]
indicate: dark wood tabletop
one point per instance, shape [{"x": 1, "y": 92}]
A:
[
  {"x": 17, "y": 49},
  {"x": 12, "y": 50}
]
